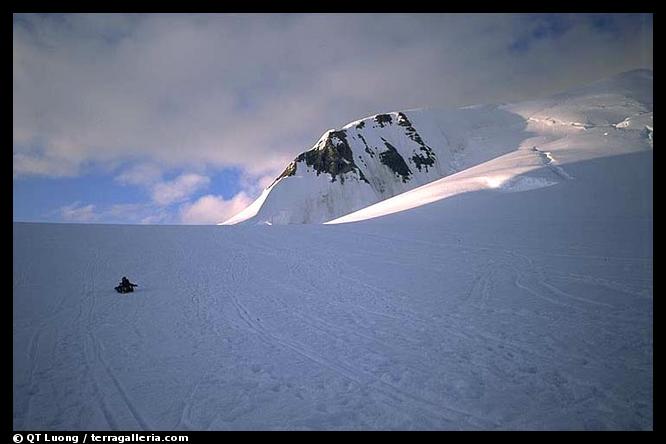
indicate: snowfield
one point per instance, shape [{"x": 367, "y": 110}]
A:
[{"x": 513, "y": 295}]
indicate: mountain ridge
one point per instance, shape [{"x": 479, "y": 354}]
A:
[{"x": 378, "y": 157}]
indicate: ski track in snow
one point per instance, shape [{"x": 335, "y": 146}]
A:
[
  {"x": 379, "y": 339},
  {"x": 390, "y": 391},
  {"x": 95, "y": 355}
]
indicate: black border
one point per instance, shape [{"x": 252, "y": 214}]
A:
[{"x": 281, "y": 7}]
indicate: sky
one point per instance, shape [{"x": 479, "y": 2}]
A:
[{"x": 186, "y": 118}]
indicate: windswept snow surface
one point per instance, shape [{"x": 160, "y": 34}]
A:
[{"x": 517, "y": 294}]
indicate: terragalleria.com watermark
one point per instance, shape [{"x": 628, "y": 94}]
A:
[{"x": 83, "y": 438}]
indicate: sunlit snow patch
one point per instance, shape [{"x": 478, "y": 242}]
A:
[
  {"x": 494, "y": 181},
  {"x": 249, "y": 211},
  {"x": 526, "y": 183}
]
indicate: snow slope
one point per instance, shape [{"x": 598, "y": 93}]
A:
[
  {"x": 379, "y": 157},
  {"x": 508, "y": 305}
]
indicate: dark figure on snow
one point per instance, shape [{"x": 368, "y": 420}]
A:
[{"x": 125, "y": 286}]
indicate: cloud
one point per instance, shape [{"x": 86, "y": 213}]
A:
[
  {"x": 254, "y": 184},
  {"x": 42, "y": 165},
  {"x": 78, "y": 213},
  {"x": 142, "y": 174},
  {"x": 254, "y": 90},
  {"x": 212, "y": 209},
  {"x": 179, "y": 189},
  {"x": 123, "y": 213}
]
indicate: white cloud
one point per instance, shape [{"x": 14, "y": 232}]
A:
[
  {"x": 134, "y": 213},
  {"x": 78, "y": 213},
  {"x": 208, "y": 209},
  {"x": 265, "y": 181},
  {"x": 254, "y": 184},
  {"x": 142, "y": 174},
  {"x": 157, "y": 218},
  {"x": 211, "y": 209},
  {"x": 179, "y": 189}
]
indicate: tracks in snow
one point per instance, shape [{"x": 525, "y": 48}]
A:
[
  {"x": 390, "y": 393},
  {"x": 101, "y": 374}
]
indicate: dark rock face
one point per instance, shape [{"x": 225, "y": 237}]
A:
[
  {"x": 289, "y": 171},
  {"x": 426, "y": 161},
  {"x": 334, "y": 157},
  {"x": 382, "y": 119},
  {"x": 427, "y": 157},
  {"x": 392, "y": 159},
  {"x": 410, "y": 131},
  {"x": 367, "y": 148}
]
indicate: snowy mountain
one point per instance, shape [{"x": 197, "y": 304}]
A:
[
  {"x": 379, "y": 157},
  {"x": 514, "y": 294},
  {"x": 607, "y": 118}
]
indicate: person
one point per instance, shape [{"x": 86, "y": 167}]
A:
[{"x": 125, "y": 286}]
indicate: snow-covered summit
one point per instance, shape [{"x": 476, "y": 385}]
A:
[{"x": 381, "y": 156}]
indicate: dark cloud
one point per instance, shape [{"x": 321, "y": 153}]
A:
[{"x": 254, "y": 90}]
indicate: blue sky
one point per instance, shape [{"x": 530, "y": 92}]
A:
[
  {"x": 43, "y": 199},
  {"x": 151, "y": 118}
]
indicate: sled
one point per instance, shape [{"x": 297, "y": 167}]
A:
[{"x": 120, "y": 289}]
